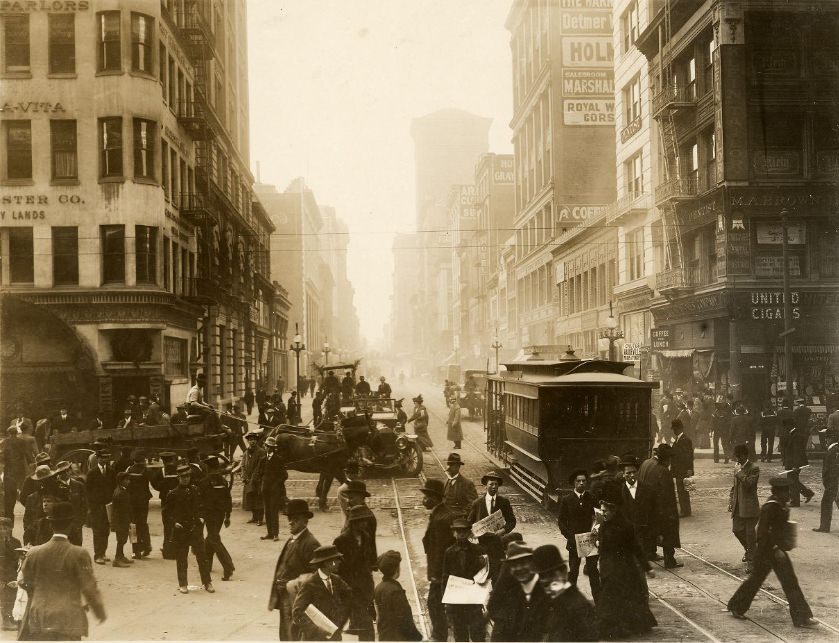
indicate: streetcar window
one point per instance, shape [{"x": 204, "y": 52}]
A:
[{"x": 596, "y": 413}]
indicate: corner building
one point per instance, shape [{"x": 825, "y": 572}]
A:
[
  {"x": 744, "y": 98},
  {"x": 131, "y": 254}
]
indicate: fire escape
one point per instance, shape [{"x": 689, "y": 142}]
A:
[{"x": 208, "y": 202}]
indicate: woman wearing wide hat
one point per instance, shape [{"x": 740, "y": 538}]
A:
[
  {"x": 420, "y": 420},
  {"x": 622, "y": 607}
]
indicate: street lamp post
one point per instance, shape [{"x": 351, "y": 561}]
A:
[
  {"x": 611, "y": 333},
  {"x": 496, "y": 345},
  {"x": 326, "y": 351},
  {"x": 297, "y": 345},
  {"x": 788, "y": 328}
]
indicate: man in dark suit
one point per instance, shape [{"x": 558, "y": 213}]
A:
[
  {"x": 63, "y": 423},
  {"x": 294, "y": 560},
  {"x": 743, "y": 428},
  {"x": 637, "y": 499},
  {"x": 274, "y": 475},
  {"x": 122, "y": 517},
  {"x": 664, "y": 522},
  {"x": 217, "y": 504},
  {"x": 681, "y": 465},
  {"x": 78, "y": 498},
  {"x": 56, "y": 575},
  {"x": 488, "y": 504},
  {"x": 253, "y": 461},
  {"x": 570, "y": 615},
  {"x": 830, "y": 478},
  {"x": 437, "y": 539},
  {"x": 16, "y": 463},
  {"x": 140, "y": 495},
  {"x": 394, "y": 618},
  {"x": 743, "y": 503},
  {"x": 464, "y": 559},
  {"x": 771, "y": 555},
  {"x": 183, "y": 504},
  {"x": 517, "y": 604},
  {"x": 460, "y": 492},
  {"x": 99, "y": 485},
  {"x": 327, "y": 592},
  {"x": 164, "y": 481},
  {"x": 794, "y": 457},
  {"x": 356, "y": 570},
  {"x": 576, "y": 516}
]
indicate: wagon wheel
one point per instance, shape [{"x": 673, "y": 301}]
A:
[
  {"x": 79, "y": 456},
  {"x": 412, "y": 460}
]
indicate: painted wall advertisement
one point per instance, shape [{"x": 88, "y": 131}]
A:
[{"x": 588, "y": 79}]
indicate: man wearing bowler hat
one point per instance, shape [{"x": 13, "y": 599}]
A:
[
  {"x": 325, "y": 591},
  {"x": 664, "y": 517},
  {"x": 56, "y": 575},
  {"x": 437, "y": 539},
  {"x": 294, "y": 560},
  {"x": 217, "y": 505},
  {"x": 355, "y": 494},
  {"x": 183, "y": 504},
  {"x": 99, "y": 485},
  {"x": 274, "y": 475},
  {"x": 253, "y": 460},
  {"x": 460, "y": 492},
  {"x": 487, "y": 505},
  {"x": 773, "y": 543},
  {"x": 140, "y": 494},
  {"x": 356, "y": 568},
  {"x": 570, "y": 614}
]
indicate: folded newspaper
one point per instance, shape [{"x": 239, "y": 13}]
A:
[
  {"x": 489, "y": 525},
  {"x": 320, "y": 620},
  {"x": 586, "y": 544},
  {"x": 465, "y": 591}
]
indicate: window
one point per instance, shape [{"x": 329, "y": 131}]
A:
[
  {"x": 690, "y": 78},
  {"x": 146, "y": 254},
  {"x": 708, "y": 73},
  {"x": 634, "y": 172},
  {"x": 173, "y": 85},
  {"x": 635, "y": 254},
  {"x": 62, "y": 43},
  {"x": 16, "y": 49},
  {"x": 21, "y": 256},
  {"x": 632, "y": 101},
  {"x": 164, "y": 167},
  {"x": 18, "y": 150},
  {"x": 710, "y": 160},
  {"x": 144, "y": 137},
  {"x": 167, "y": 264},
  {"x": 110, "y": 146},
  {"x": 826, "y": 139},
  {"x": 65, "y": 256},
  {"x": 113, "y": 253},
  {"x": 693, "y": 159},
  {"x": 778, "y": 142},
  {"x": 629, "y": 26},
  {"x": 64, "y": 154},
  {"x": 142, "y": 37},
  {"x": 109, "y": 54},
  {"x": 162, "y": 57},
  {"x": 175, "y": 351}
]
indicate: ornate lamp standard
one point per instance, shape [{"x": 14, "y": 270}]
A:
[
  {"x": 326, "y": 351},
  {"x": 297, "y": 345},
  {"x": 496, "y": 345},
  {"x": 611, "y": 333}
]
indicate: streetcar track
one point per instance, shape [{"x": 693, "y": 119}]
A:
[
  {"x": 400, "y": 520},
  {"x": 714, "y": 598},
  {"x": 773, "y": 597}
]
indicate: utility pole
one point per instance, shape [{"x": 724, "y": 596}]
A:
[{"x": 788, "y": 329}]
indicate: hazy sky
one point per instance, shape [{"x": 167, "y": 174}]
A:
[{"x": 334, "y": 85}]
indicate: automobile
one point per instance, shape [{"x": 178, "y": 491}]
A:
[{"x": 472, "y": 395}]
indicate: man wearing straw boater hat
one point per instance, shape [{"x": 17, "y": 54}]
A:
[
  {"x": 56, "y": 575},
  {"x": 775, "y": 537},
  {"x": 294, "y": 560},
  {"x": 459, "y": 492},
  {"x": 325, "y": 591},
  {"x": 486, "y": 505},
  {"x": 437, "y": 539}
]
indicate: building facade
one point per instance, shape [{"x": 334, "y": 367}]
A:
[
  {"x": 744, "y": 97},
  {"x": 447, "y": 144},
  {"x": 563, "y": 138},
  {"x": 127, "y": 230}
]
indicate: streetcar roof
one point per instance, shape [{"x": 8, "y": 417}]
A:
[{"x": 583, "y": 378}]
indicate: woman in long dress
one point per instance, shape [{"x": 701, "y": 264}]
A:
[
  {"x": 455, "y": 431},
  {"x": 622, "y": 608},
  {"x": 420, "y": 420}
]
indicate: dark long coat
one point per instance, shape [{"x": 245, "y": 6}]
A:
[
  {"x": 394, "y": 619},
  {"x": 571, "y": 618},
  {"x": 335, "y": 606},
  {"x": 293, "y": 561},
  {"x": 515, "y": 618},
  {"x": 437, "y": 539},
  {"x": 490, "y": 542},
  {"x": 623, "y": 604},
  {"x": 665, "y": 511}
]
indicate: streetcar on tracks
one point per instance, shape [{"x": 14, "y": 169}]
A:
[{"x": 548, "y": 417}]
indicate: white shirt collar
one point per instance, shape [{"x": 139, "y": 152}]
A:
[
  {"x": 530, "y": 585},
  {"x": 453, "y": 477},
  {"x": 489, "y": 499},
  {"x": 59, "y": 536},
  {"x": 323, "y": 575},
  {"x": 300, "y": 533},
  {"x": 578, "y": 494}
]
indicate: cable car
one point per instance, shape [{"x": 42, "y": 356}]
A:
[{"x": 549, "y": 417}]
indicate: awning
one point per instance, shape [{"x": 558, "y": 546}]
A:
[
  {"x": 676, "y": 352},
  {"x": 811, "y": 349}
]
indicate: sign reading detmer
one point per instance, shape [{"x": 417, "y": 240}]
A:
[{"x": 576, "y": 22}]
